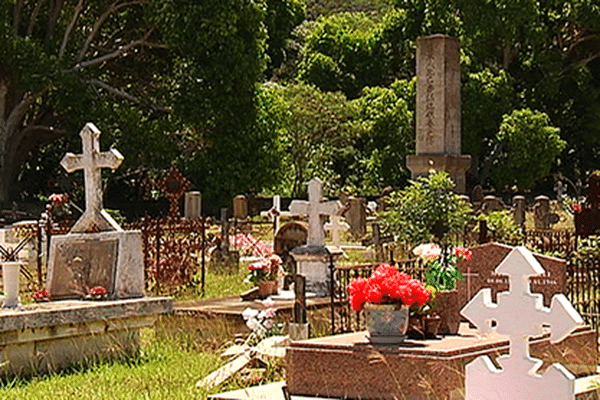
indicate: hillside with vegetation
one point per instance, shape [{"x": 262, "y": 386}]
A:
[{"x": 263, "y": 95}]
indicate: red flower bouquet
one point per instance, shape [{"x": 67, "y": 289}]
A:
[
  {"x": 41, "y": 295},
  {"x": 387, "y": 286}
]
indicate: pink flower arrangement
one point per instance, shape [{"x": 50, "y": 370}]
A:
[
  {"x": 41, "y": 295},
  {"x": 265, "y": 269},
  {"x": 462, "y": 253},
  {"x": 387, "y": 286},
  {"x": 577, "y": 208},
  {"x": 442, "y": 274}
]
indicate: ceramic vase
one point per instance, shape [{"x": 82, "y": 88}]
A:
[
  {"x": 10, "y": 279},
  {"x": 386, "y": 323}
]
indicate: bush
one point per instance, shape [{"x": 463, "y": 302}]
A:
[{"x": 425, "y": 210}]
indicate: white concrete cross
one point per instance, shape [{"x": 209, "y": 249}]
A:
[
  {"x": 336, "y": 226},
  {"x": 520, "y": 315},
  {"x": 315, "y": 208},
  {"x": 92, "y": 161}
]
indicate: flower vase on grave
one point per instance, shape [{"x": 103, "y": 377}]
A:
[
  {"x": 10, "y": 279},
  {"x": 446, "y": 306},
  {"x": 386, "y": 323},
  {"x": 267, "y": 288}
]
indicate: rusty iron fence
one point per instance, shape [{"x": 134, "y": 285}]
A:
[
  {"x": 583, "y": 288},
  {"x": 562, "y": 243},
  {"x": 344, "y": 318},
  {"x": 174, "y": 252}
]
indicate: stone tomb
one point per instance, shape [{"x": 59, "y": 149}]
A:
[
  {"x": 349, "y": 366},
  {"x": 96, "y": 252},
  {"x": 49, "y": 337}
]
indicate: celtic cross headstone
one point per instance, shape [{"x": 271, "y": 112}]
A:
[{"x": 520, "y": 315}]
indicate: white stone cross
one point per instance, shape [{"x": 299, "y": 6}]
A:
[
  {"x": 520, "y": 315},
  {"x": 315, "y": 208},
  {"x": 336, "y": 226},
  {"x": 94, "y": 218}
]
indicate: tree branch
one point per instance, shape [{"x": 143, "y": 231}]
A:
[
  {"x": 76, "y": 13},
  {"x": 117, "y": 53},
  {"x": 52, "y": 19},
  {"x": 34, "y": 15},
  {"x": 112, "y": 8},
  {"x": 17, "y": 16},
  {"x": 3, "y": 92},
  {"x": 117, "y": 92}
]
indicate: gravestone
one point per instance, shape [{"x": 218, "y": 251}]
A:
[
  {"x": 240, "y": 207},
  {"x": 316, "y": 209},
  {"x": 192, "y": 205},
  {"x": 587, "y": 217},
  {"x": 335, "y": 226},
  {"x": 521, "y": 315},
  {"x": 312, "y": 260},
  {"x": 438, "y": 126},
  {"x": 356, "y": 216},
  {"x": 290, "y": 235},
  {"x": 491, "y": 204},
  {"x": 541, "y": 208},
  {"x": 96, "y": 252},
  {"x": 480, "y": 273},
  {"x": 519, "y": 209}
]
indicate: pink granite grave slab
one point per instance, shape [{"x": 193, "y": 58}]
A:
[{"x": 348, "y": 366}]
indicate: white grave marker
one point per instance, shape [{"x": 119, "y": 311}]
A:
[
  {"x": 520, "y": 315},
  {"x": 336, "y": 226},
  {"x": 315, "y": 208},
  {"x": 92, "y": 161}
]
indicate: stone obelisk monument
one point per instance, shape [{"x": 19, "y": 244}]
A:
[{"x": 438, "y": 131}]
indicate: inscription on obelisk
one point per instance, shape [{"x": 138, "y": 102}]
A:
[{"x": 438, "y": 128}]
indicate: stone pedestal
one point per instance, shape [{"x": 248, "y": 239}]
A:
[
  {"x": 80, "y": 261},
  {"x": 348, "y": 366},
  {"x": 49, "y": 337},
  {"x": 313, "y": 262},
  {"x": 456, "y": 166}
]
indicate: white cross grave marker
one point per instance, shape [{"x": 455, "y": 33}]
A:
[
  {"x": 336, "y": 226},
  {"x": 92, "y": 161},
  {"x": 314, "y": 208},
  {"x": 520, "y": 315}
]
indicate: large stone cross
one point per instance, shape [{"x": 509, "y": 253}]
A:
[
  {"x": 315, "y": 208},
  {"x": 94, "y": 218},
  {"x": 520, "y": 315}
]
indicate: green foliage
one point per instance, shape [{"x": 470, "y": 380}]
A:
[
  {"x": 316, "y": 130},
  {"x": 487, "y": 96},
  {"x": 503, "y": 227},
  {"x": 530, "y": 148},
  {"x": 412, "y": 213},
  {"x": 386, "y": 138}
]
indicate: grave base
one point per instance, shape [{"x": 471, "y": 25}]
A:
[
  {"x": 49, "y": 337},
  {"x": 348, "y": 366}
]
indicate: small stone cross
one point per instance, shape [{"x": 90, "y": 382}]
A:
[
  {"x": 94, "y": 218},
  {"x": 315, "y": 208},
  {"x": 336, "y": 226},
  {"x": 520, "y": 315}
]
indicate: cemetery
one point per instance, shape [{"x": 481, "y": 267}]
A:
[{"x": 298, "y": 200}]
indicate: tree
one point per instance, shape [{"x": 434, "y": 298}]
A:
[
  {"x": 386, "y": 118},
  {"x": 155, "y": 76},
  {"x": 530, "y": 148}
]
